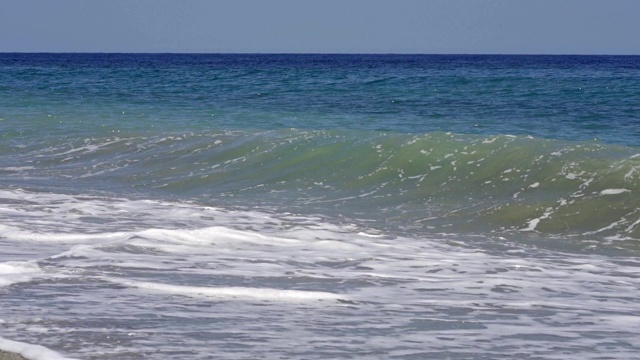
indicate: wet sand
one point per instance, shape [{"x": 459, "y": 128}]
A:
[{"x": 4, "y": 355}]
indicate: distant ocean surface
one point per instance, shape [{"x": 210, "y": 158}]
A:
[{"x": 161, "y": 206}]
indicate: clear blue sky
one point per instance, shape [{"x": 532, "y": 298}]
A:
[{"x": 324, "y": 26}]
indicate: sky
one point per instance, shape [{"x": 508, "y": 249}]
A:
[{"x": 322, "y": 26}]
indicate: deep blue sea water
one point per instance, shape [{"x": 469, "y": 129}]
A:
[{"x": 245, "y": 206}]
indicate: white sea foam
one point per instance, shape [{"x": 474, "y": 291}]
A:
[
  {"x": 233, "y": 292},
  {"x": 29, "y": 351},
  {"x": 17, "y": 168},
  {"x": 22, "y": 235},
  {"x": 614, "y": 191},
  {"x": 150, "y": 274},
  {"x": 12, "y": 272}
]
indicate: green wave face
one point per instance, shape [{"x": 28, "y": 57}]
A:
[{"x": 434, "y": 181}]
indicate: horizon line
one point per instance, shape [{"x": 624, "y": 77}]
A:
[{"x": 306, "y": 53}]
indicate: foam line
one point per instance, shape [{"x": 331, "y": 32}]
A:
[
  {"x": 232, "y": 292},
  {"x": 22, "y": 235}
]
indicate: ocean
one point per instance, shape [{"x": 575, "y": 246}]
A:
[{"x": 243, "y": 206}]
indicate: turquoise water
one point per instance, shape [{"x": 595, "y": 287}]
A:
[
  {"x": 570, "y": 98},
  {"x": 393, "y": 202}
]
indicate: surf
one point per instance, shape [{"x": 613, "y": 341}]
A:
[{"x": 425, "y": 182}]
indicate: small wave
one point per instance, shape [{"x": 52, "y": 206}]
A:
[{"x": 428, "y": 181}]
